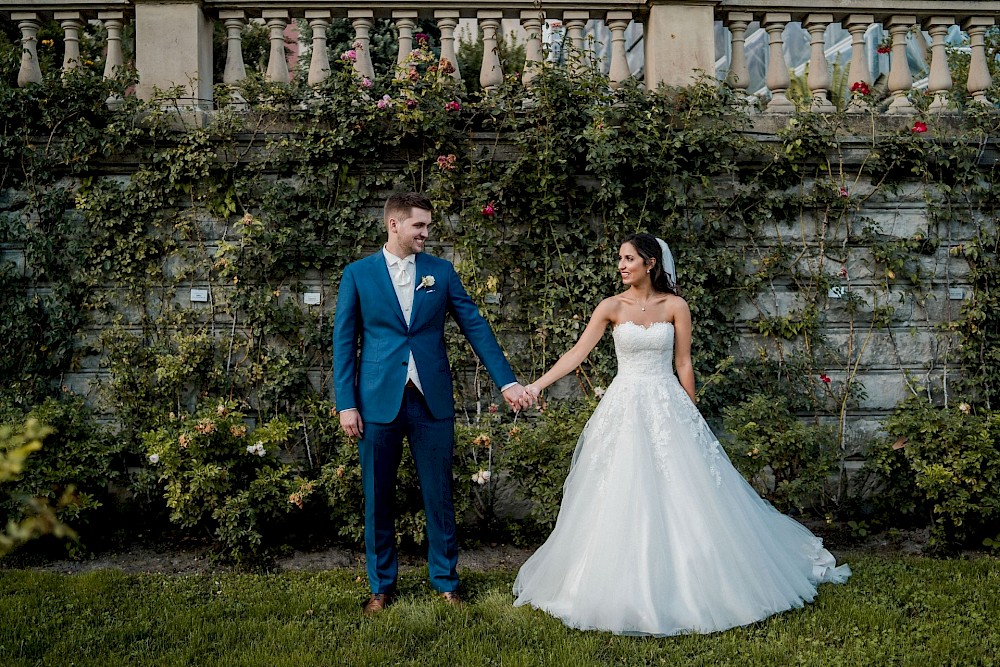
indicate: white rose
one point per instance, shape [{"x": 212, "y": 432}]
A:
[{"x": 154, "y": 458}]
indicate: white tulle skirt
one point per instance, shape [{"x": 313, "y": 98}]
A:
[{"x": 658, "y": 534}]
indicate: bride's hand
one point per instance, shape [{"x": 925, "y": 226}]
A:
[{"x": 533, "y": 391}]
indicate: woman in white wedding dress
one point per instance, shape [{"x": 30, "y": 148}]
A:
[{"x": 658, "y": 534}]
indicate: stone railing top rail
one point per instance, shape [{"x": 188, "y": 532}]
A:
[
  {"x": 8, "y": 7},
  {"x": 381, "y": 8}
]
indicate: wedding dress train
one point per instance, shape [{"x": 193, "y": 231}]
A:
[{"x": 658, "y": 533}]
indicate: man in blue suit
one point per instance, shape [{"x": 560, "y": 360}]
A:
[{"x": 392, "y": 379}]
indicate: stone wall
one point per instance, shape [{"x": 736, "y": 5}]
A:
[{"x": 910, "y": 352}]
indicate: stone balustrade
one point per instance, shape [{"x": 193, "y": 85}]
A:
[
  {"x": 902, "y": 21},
  {"x": 173, "y": 39}
]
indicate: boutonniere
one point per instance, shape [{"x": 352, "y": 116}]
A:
[{"x": 426, "y": 281}]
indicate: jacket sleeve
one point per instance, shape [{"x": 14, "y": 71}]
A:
[
  {"x": 345, "y": 342},
  {"x": 477, "y": 330}
]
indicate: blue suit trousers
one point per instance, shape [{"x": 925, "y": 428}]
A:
[{"x": 432, "y": 444}]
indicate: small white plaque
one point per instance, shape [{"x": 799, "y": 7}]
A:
[
  {"x": 311, "y": 298},
  {"x": 838, "y": 292},
  {"x": 956, "y": 293},
  {"x": 492, "y": 297},
  {"x": 199, "y": 295}
]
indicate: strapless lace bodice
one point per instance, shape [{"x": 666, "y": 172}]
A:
[{"x": 644, "y": 351}]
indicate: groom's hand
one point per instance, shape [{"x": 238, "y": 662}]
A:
[
  {"x": 350, "y": 421},
  {"x": 517, "y": 398}
]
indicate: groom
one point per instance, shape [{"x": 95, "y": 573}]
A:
[{"x": 392, "y": 380}]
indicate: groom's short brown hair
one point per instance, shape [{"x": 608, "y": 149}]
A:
[{"x": 399, "y": 205}]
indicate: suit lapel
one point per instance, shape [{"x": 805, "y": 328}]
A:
[
  {"x": 420, "y": 295},
  {"x": 383, "y": 282}
]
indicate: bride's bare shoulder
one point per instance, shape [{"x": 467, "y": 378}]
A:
[{"x": 609, "y": 308}]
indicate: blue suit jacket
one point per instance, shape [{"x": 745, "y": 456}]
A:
[{"x": 372, "y": 344}]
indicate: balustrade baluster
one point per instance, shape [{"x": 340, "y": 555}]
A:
[
  {"x": 739, "y": 72},
  {"x": 277, "y": 64},
  {"x": 447, "y": 20},
  {"x": 920, "y": 42},
  {"x": 575, "y": 23},
  {"x": 491, "y": 73},
  {"x": 979, "y": 72},
  {"x": 617, "y": 23},
  {"x": 319, "y": 62},
  {"x": 30, "y": 71},
  {"x": 362, "y": 20},
  {"x": 857, "y": 25},
  {"x": 777, "y": 70},
  {"x": 236, "y": 70},
  {"x": 406, "y": 21},
  {"x": 114, "y": 59},
  {"x": 939, "y": 81},
  {"x": 900, "y": 79},
  {"x": 531, "y": 21},
  {"x": 818, "y": 79},
  {"x": 72, "y": 24}
]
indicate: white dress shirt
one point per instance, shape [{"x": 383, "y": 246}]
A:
[{"x": 404, "y": 294}]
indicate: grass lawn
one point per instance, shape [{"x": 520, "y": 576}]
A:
[{"x": 894, "y": 611}]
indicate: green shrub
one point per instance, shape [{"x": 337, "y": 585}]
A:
[
  {"x": 538, "y": 458},
  {"x": 81, "y": 458},
  {"x": 787, "y": 460},
  {"x": 219, "y": 475},
  {"x": 16, "y": 445},
  {"x": 946, "y": 462}
]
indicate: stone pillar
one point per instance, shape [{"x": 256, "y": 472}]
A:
[
  {"x": 30, "y": 71},
  {"x": 939, "y": 80},
  {"x": 979, "y": 72},
  {"x": 491, "y": 73},
  {"x": 531, "y": 21},
  {"x": 447, "y": 21},
  {"x": 234, "y": 20},
  {"x": 576, "y": 22},
  {"x": 679, "y": 42},
  {"x": 173, "y": 47},
  {"x": 319, "y": 61},
  {"x": 406, "y": 21},
  {"x": 618, "y": 70},
  {"x": 362, "y": 20},
  {"x": 819, "y": 70},
  {"x": 857, "y": 25},
  {"x": 900, "y": 79},
  {"x": 72, "y": 24},
  {"x": 277, "y": 61},
  {"x": 739, "y": 72},
  {"x": 777, "y": 69}
]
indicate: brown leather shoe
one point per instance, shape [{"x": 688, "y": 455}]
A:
[
  {"x": 377, "y": 602},
  {"x": 452, "y": 598}
]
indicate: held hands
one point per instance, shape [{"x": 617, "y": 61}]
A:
[{"x": 517, "y": 398}]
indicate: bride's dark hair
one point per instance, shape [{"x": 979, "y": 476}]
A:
[{"x": 649, "y": 248}]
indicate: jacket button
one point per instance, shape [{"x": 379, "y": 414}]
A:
[{"x": 404, "y": 363}]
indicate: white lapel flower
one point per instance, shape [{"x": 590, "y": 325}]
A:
[{"x": 426, "y": 281}]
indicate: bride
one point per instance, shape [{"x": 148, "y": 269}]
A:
[{"x": 657, "y": 533}]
